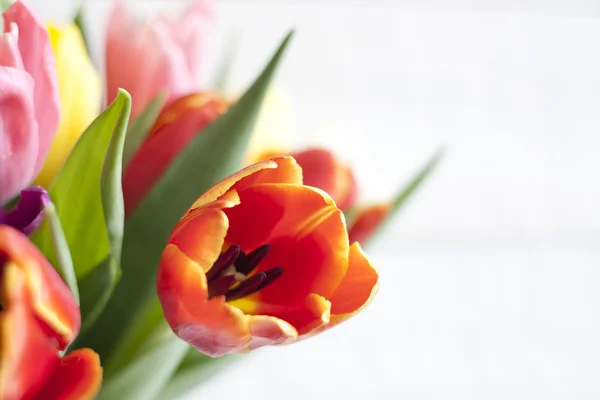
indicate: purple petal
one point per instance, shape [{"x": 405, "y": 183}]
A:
[{"x": 29, "y": 212}]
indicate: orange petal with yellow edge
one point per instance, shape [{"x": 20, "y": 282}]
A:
[
  {"x": 200, "y": 235},
  {"x": 358, "y": 288},
  {"x": 47, "y": 294},
  {"x": 306, "y": 233},
  {"x": 322, "y": 169},
  {"x": 211, "y": 326},
  {"x": 176, "y": 126},
  {"x": 77, "y": 377},
  {"x": 27, "y": 356},
  {"x": 367, "y": 221},
  {"x": 287, "y": 171}
]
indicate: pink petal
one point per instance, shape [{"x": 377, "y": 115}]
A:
[
  {"x": 19, "y": 141},
  {"x": 38, "y": 60},
  {"x": 161, "y": 55}
]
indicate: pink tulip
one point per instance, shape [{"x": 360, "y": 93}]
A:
[
  {"x": 161, "y": 55},
  {"x": 29, "y": 100}
]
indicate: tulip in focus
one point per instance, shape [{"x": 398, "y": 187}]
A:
[
  {"x": 29, "y": 100},
  {"x": 38, "y": 319},
  {"x": 161, "y": 55},
  {"x": 261, "y": 259},
  {"x": 176, "y": 126},
  {"x": 80, "y": 96}
]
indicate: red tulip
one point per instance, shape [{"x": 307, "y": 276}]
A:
[
  {"x": 322, "y": 169},
  {"x": 38, "y": 319},
  {"x": 176, "y": 126},
  {"x": 260, "y": 259}
]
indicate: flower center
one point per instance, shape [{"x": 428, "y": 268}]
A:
[{"x": 229, "y": 274}]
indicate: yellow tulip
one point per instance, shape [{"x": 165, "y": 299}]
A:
[{"x": 80, "y": 90}]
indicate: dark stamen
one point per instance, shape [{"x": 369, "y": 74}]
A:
[
  {"x": 246, "y": 287},
  {"x": 272, "y": 275},
  {"x": 223, "y": 262},
  {"x": 220, "y": 286},
  {"x": 250, "y": 261}
]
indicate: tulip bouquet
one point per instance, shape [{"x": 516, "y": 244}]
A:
[{"x": 141, "y": 241}]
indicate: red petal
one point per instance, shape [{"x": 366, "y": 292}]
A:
[
  {"x": 323, "y": 170},
  {"x": 307, "y": 236},
  {"x": 27, "y": 355},
  {"x": 77, "y": 377},
  {"x": 44, "y": 290},
  {"x": 177, "y": 125},
  {"x": 367, "y": 222}
]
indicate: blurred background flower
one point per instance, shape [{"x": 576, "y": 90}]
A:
[
  {"x": 30, "y": 108},
  {"x": 172, "y": 48}
]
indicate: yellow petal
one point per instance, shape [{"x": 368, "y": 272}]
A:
[{"x": 80, "y": 96}]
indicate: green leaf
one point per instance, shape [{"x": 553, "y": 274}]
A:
[
  {"x": 62, "y": 255},
  {"x": 406, "y": 192},
  {"x": 149, "y": 373},
  {"x": 195, "y": 367},
  {"x": 89, "y": 201},
  {"x": 210, "y": 156},
  {"x": 140, "y": 127},
  {"x": 77, "y": 193}
]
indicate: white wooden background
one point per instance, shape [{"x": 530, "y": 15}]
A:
[{"x": 489, "y": 280}]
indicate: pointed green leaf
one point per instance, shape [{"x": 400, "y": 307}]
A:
[
  {"x": 144, "y": 378},
  {"x": 96, "y": 289},
  {"x": 89, "y": 201},
  {"x": 210, "y": 156},
  {"x": 408, "y": 190},
  {"x": 79, "y": 20},
  {"x": 193, "y": 370},
  {"x": 62, "y": 255},
  {"x": 141, "y": 125},
  {"x": 98, "y": 285},
  {"x": 405, "y": 193},
  {"x": 77, "y": 195}
]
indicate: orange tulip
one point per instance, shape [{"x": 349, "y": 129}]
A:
[
  {"x": 260, "y": 259},
  {"x": 39, "y": 318},
  {"x": 176, "y": 126}
]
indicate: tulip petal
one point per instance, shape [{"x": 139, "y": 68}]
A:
[
  {"x": 367, "y": 221},
  {"x": 307, "y": 235},
  {"x": 266, "y": 331},
  {"x": 358, "y": 288},
  {"x": 49, "y": 297},
  {"x": 38, "y": 60},
  {"x": 29, "y": 211},
  {"x": 9, "y": 48},
  {"x": 323, "y": 170},
  {"x": 211, "y": 326},
  {"x": 22, "y": 336},
  {"x": 19, "y": 132},
  {"x": 288, "y": 171},
  {"x": 200, "y": 236},
  {"x": 77, "y": 377},
  {"x": 176, "y": 126}
]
